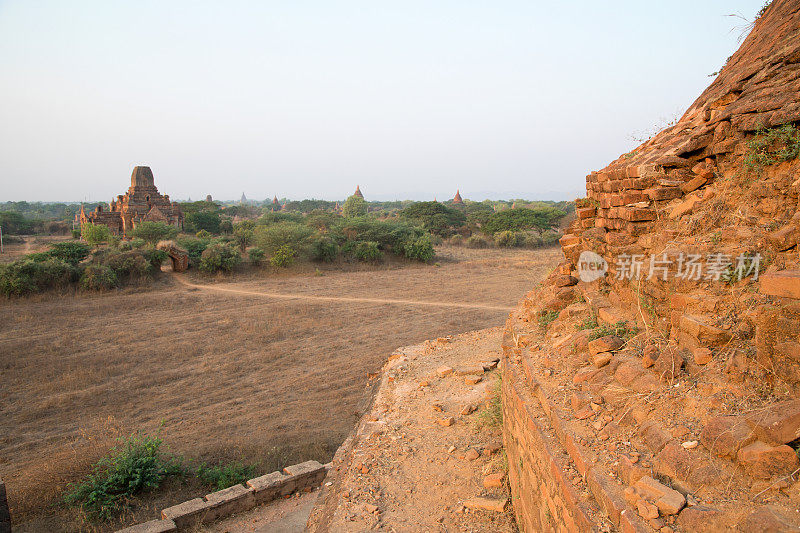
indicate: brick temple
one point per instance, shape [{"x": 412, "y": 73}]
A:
[{"x": 141, "y": 202}]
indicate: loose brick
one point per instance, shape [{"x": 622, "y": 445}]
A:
[
  {"x": 153, "y": 526},
  {"x": 785, "y": 283}
]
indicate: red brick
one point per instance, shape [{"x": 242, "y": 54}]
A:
[{"x": 785, "y": 283}]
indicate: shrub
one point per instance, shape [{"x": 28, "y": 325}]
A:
[
  {"x": 70, "y": 252},
  {"x": 283, "y": 256},
  {"x": 550, "y": 237},
  {"x": 222, "y": 476},
  {"x": 28, "y": 276},
  {"x": 256, "y": 255},
  {"x": 203, "y": 234},
  {"x": 135, "y": 465},
  {"x": 386, "y": 233},
  {"x": 76, "y": 233},
  {"x": 367, "y": 251},
  {"x": 509, "y": 239},
  {"x": 95, "y": 234},
  {"x": 137, "y": 243},
  {"x": 456, "y": 240},
  {"x": 522, "y": 218},
  {"x": 155, "y": 257},
  {"x": 273, "y": 237},
  {"x": 546, "y": 318},
  {"x": 477, "y": 241},
  {"x": 771, "y": 146},
  {"x": 194, "y": 247},
  {"x": 219, "y": 256},
  {"x": 98, "y": 278},
  {"x": 532, "y": 240},
  {"x": 324, "y": 249},
  {"x": 420, "y": 249},
  {"x": 127, "y": 264}
]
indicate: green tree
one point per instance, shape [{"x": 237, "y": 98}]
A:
[
  {"x": 203, "y": 220},
  {"x": 95, "y": 234},
  {"x": 153, "y": 232},
  {"x": 354, "y": 207},
  {"x": 434, "y": 217}
]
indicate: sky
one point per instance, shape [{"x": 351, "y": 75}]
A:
[{"x": 307, "y": 99}]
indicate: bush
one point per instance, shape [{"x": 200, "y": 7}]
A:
[
  {"x": 283, "y": 256},
  {"x": 203, "y": 234},
  {"x": 509, "y": 239},
  {"x": 477, "y": 241},
  {"x": 420, "y": 249},
  {"x": 95, "y": 234},
  {"x": 135, "y": 465},
  {"x": 386, "y": 233},
  {"x": 137, "y": 243},
  {"x": 127, "y": 264},
  {"x": 219, "y": 256},
  {"x": 69, "y": 252},
  {"x": 194, "y": 247},
  {"x": 550, "y": 237},
  {"x": 98, "y": 278},
  {"x": 367, "y": 251},
  {"x": 28, "y": 276},
  {"x": 533, "y": 240},
  {"x": 324, "y": 249},
  {"x": 273, "y": 237},
  {"x": 225, "y": 475},
  {"x": 76, "y": 234},
  {"x": 256, "y": 255},
  {"x": 456, "y": 240},
  {"x": 155, "y": 257},
  {"x": 522, "y": 219}
]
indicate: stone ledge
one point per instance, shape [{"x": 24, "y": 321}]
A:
[{"x": 235, "y": 499}]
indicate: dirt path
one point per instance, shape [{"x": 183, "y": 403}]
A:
[
  {"x": 381, "y": 301},
  {"x": 419, "y": 459}
]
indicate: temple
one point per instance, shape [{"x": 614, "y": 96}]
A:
[
  {"x": 358, "y": 192},
  {"x": 457, "y": 198},
  {"x": 141, "y": 202}
]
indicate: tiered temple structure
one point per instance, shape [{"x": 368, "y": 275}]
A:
[
  {"x": 358, "y": 192},
  {"x": 141, "y": 202},
  {"x": 457, "y": 198}
]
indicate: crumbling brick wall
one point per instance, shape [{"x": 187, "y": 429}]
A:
[{"x": 674, "y": 399}]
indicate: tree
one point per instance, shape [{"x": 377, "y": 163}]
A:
[
  {"x": 354, "y": 207},
  {"x": 95, "y": 234},
  {"x": 69, "y": 252},
  {"x": 207, "y": 220},
  {"x": 434, "y": 217},
  {"x": 153, "y": 232}
]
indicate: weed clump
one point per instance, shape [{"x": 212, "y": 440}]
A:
[{"x": 136, "y": 465}]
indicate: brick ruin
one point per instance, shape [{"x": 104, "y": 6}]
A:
[
  {"x": 142, "y": 202},
  {"x": 670, "y": 402}
]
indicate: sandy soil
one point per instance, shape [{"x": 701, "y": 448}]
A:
[
  {"x": 226, "y": 375},
  {"x": 405, "y": 470}
]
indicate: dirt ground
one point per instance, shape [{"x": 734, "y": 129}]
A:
[
  {"x": 234, "y": 374},
  {"x": 409, "y": 467}
]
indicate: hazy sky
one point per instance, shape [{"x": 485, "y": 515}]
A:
[{"x": 409, "y": 99}]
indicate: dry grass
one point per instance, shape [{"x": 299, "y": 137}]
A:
[{"x": 229, "y": 376}]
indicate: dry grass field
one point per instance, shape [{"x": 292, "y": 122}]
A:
[{"x": 224, "y": 374}]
